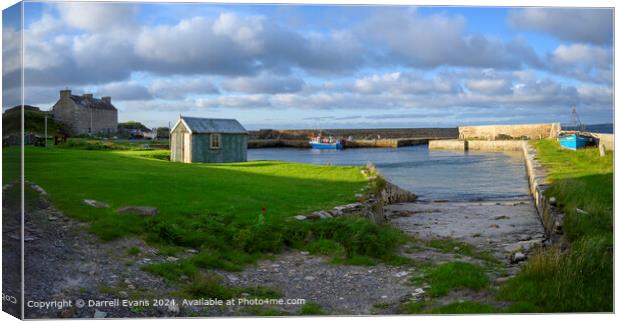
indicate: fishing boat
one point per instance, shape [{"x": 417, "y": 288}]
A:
[
  {"x": 326, "y": 143},
  {"x": 575, "y": 139}
]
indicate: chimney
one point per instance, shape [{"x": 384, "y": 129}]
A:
[
  {"x": 107, "y": 99},
  {"x": 88, "y": 96},
  {"x": 65, "y": 93}
]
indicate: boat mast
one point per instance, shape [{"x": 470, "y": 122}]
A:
[{"x": 575, "y": 121}]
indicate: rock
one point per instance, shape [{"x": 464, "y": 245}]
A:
[
  {"x": 232, "y": 278},
  {"x": 95, "y": 203},
  {"x": 304, "y": 253},
  {"x": 517, "y": 257},
  {"x": 131, "y": 286},
  {"x": 173, "y": 308},
  {"x": 99, "y": 314},
  {"x": 191, "y": 251},
  {"x": 309, "y": 278},
  {"x": 313, "y": 216},
  {"x": 300, "y": 217},
  {"x": 384, "y": 296},
  {"x": 172, "y": 259},
  {"x": 494, "y": 226},
  {"x": 525, "y": 237},
  {"x": 580, "y": 211},
  {"x": 502, "y": 280},
  {"x": 52, "y": 218},
  {"x": 418, "y": 294},
  {"x": 123, "y": 294},
  {"x": 401, "y": 274},
  {"x": 38, "y": 189},
  {"x": 138, "y": 210},
  {"x": 553, "y": 201}
]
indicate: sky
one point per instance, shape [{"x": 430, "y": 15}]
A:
[{"x": 317, "y": 66}]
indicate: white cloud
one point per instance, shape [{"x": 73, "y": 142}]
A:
[
  {"x": 440, "y": 40},
  {"x": 129, "y": 90},
  {"x": 264, "y": 83},
  {"x": 404, "y": 83},
  {"x": 582, "y": 54},
  {"x": 98, "y": 17},
  {"x": 176, "y": 88},
  {"x": 572, "y": 24},
  {"x": 490, "y": 86}
]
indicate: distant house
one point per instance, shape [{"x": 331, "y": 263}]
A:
[
  {"x": 208, "y": 140},
  {"x": 85, "y": 114}
]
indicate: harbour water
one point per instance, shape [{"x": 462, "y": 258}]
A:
[{"x": 431, "y": 174}]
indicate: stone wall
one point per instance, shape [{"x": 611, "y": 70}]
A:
[
  {"x": 606, "y": 140},
  {"x": 454, "y": 144},
  {"x": 481, "y": 145},
  {"x": 551, "y": 217},
  {"x": 371, "y": 208},
  {"x": 502, "y": 132},
  {"x": 357, "y": 134},
  {"x": 495, "y": 145}
]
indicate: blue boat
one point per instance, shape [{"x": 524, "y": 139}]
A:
[
  {"x": 575, "y": 141},
  {"x": 326, "y": 143}
]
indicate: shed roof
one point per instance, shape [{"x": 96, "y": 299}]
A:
[
  {"x": 211, "y": 125},
  {"x": 92, "y": 102}
]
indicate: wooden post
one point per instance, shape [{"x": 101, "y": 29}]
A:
[{"x": 601, "y": 149}]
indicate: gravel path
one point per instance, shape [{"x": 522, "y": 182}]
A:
[{"x": 64, "y": 261}]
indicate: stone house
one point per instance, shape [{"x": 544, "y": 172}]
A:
[
  {"x": 85, "y": 114},
  {"x": 208, "y": 140}
]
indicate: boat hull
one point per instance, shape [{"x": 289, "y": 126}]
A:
[
  {"x": 326, "y": 145},
  {"x": 574, "y": 141}
]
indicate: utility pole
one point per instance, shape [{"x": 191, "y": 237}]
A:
[
  {"x": 91, "y": 122},
  {"x": 45, "y": 130}
]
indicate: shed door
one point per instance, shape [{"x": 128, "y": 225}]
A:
[{"x": 187, "y": 148}]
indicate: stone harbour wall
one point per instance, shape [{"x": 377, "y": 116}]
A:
[
  {"x": 481, "y": 145},
  {"x": 448, "y": 144},
  {"x": 606, "y": 140},
  {"x": 495, "y": 145},
  {"x": 503, "y": 132},
  {"x": 550, "y": 215}
]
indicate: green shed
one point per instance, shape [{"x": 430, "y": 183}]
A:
[{"x": 208, "y": 140}]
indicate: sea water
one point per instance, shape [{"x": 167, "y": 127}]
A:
[{"x": 431, "y": 174}]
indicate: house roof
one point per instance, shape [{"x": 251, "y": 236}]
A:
[
  {"x": 211, "y": 125},
  {"x": 92, "y": 102}
]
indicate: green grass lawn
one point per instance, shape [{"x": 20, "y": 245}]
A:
[
  {"x": 580, "y": 278},
  {"x": 215, "y": 208},
  {"x": 183, "y": 191}
]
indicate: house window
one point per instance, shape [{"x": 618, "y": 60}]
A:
[{"x": 215, "y": 141}]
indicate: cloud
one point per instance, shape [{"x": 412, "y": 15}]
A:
[
  {"x": 583, "y": 55},
  {"x": 582, "y": 62},
  {"x": 571, "y": 24},
  {"x": 405, "y": 83},
  {"x": 124, "y": 91},
  {"x": 440, "y": 40},
  {"x": 176, "y": 88},
  {"x": 490, "y": 86},
  {"x": 98, "y": 17},
  {"x": 264, "y": 83}
]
